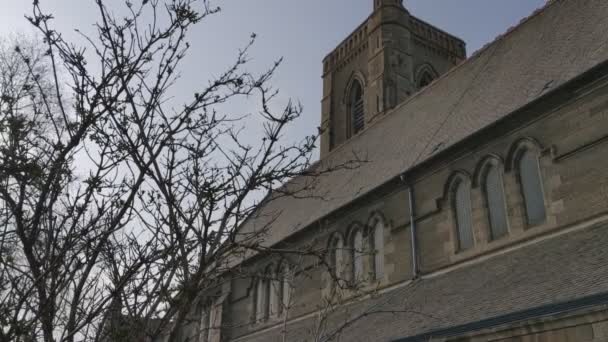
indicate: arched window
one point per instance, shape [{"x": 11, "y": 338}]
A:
[
  {"x": 205, "y": 323},
  {"x": 495, "y": 200},
  {"x": 284, "y": 290},
  {"x": 357, "y": 256},
  {"x": 262, "y": 298},
  {"x": 378, "y": 246},
  {"x": 214, "y": 322},
  {"x": 425, "y": 79},
  {"x": 259, "y": 299},
  {"x": 273, "y": 284},
  {"x": 463, "y": 213},
  {"x": 336, "y": 246},
  {"x": 357, "y": 111},
  {"x": 532, "y": 188},
  {"x": 425, "y": 75}
]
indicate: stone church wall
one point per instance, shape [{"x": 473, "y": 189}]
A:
[
  {"x": 573, "y": 146},
  {"x": 575, "y": 178}
]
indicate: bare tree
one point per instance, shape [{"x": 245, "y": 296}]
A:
[{"x": 117, "y": 203}]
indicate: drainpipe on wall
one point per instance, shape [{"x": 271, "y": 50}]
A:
[{"x": 410, "y": 188}]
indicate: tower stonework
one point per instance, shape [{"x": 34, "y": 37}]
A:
[{"x": 391, "y": 55}]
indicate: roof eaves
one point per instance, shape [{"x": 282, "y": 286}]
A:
[{"x": 514, "y": 317}]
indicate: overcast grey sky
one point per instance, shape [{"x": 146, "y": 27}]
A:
[{"x": 302, "y": 32}]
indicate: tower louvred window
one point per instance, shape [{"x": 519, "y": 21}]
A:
[{"x": 357, "y": 107}]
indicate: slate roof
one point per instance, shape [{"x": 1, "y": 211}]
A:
[
  {"x": 553, "y": 46},
  {"x": 550, "y": 276}
]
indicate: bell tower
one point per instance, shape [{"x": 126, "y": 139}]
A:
[
  {"x": 381, "y": 63},
  {"x": 381, "y": 3}
]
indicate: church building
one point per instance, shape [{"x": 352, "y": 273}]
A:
[{"x": 478, "y": 208}]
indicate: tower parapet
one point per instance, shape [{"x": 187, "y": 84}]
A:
[
  {"x": 381, "y": 3},
  {"x": 380, "y": 64}
]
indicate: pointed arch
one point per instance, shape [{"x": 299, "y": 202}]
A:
[
  {"x": 489, "y": 176},
  {"x": 517, "y": 148},
  {"x": 335, "y": 251},
  {"x": 205, "y": 323},
  {"x": 354, "y": 98},
  {"x": 270, "y": 303},
  {"x": 376, "y": 227},
  {"x": 357, "y": 76},
  {"x": 524, "y": 159},
  {"x": 264, "y": 296},
  {"x": 356, "y": 249},
  {"x": 482, "y": 165},
  {"x": 259, "y": 298},
  {"x": 459, "y": 196},
  {"x": 447, "y": 188},
  {"x": 425, "y": 75},
  {"x": 285, "y": 288}
]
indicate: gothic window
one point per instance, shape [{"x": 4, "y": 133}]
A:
[
  {"x": 336, "y": 246},
  {"x": 205, "y": 324},
  {"x": 425, "y": 75},
  {"x": 272, "y": 290},
  {"x": 425, "y": 79},
  {"x": 463, "y": 213},
  {"x": 262, "y": 298},
  {"x": 259, "y": 300},
  {"x": 357, "y": 256},
  {"x": 532, "y": 188},
  {"x": 356, "y": 107},
  {"x": 495, "y": 200},
  {"x": 284, "y": 289},
  {"x": 378, "y": 247},
  {"x": 213, "y": 323},
  {"x": 275, "y": 295}
]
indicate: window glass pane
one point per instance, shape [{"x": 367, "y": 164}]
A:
[
  {"x": 275, "y": 296},
  {"x": 357, "y": 108},
  {"x": 335, "y": 256},
  {"x": 379, "y": 250},
  {"x": 357, "y": 256},
  {"x": 286, "y": 288},
  {"x": 496, "y": 202},
  {"x": 425, "y": 80},
  {"x": 267, "y": 295},
  {"x": 532, "y": 188},
  {"x": 213, "y": 323},
  {"x": 205, "y": 324},
  {"x": 259, "y": 314},
  {"x": 464, "y": 216}
]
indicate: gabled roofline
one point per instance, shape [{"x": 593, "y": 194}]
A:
[{"x": 598, "y": 72}]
